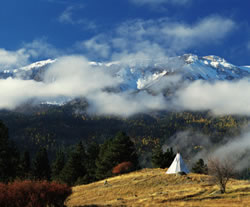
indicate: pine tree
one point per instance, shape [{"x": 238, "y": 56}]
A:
[
  {"x": 124, "y": 149},
  {"x": 162, "y": 159},
  {"x": 157, "y": 156},
  {"x": 9, "y": 156},
  {"x": 74, "y": 171},
  {"x": 104, "y": 162},
  {"x": 113, "y": 152},
  {"x": 168, "y": 157},
  {"x": 25, "y": 165},
  {"x": 41, "y": 166},
  {"x": 200, "y": 167},
  {"x": 58, "y": 165},
  {"x": 92, "y": 155}
]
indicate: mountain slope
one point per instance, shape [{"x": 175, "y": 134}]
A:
[
  {"x": 155, "y": 77},
  {"x": 152, "y": 187},
  {"x": 138, "y": 76}
]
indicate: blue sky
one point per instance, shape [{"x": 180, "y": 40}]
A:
[{"x": 110, "y": 30}]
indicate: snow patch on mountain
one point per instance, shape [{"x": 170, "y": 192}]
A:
[
  {"x": 148, "y": 80},
  {"x": 38, "y": 64},
  {"x": 138, "y": 76}
]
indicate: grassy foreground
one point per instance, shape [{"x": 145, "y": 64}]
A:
[{"x": 152, "y": 187}]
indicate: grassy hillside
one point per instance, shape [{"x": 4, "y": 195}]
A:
[{"x": 152, "y": 187}]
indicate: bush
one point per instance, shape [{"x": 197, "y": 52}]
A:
[
  {"x": 33, "y": 193},
  {"x": 123, "y": 167},
  {"x": 222, "y": 171}
]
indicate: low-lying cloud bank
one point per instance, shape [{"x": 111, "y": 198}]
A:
[
  {"x": 221, "y": 97},
  {"x": 194, "y": 146},
  {"x": 70, "y": 76},
  {"x": 73, "y": 77}
]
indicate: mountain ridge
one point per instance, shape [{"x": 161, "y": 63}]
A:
[
  {"x": 136, "y": 76},
  {"x": 190, "y": 62}
]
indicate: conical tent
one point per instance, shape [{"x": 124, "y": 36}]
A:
[{"x": 177, "y": 166}]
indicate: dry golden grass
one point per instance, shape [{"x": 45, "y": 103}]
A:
[{"x": 152, "y": 187}]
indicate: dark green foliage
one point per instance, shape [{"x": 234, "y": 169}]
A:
[
  {"x": 168, "y": 157},
  {"x": 157, "y": 156},
  {"x": 58, "y": 165},
  {"x": 104, "y": 162},
  {"x": 113, "y": 152},
  {"x": 74, "y": 168},
  {"x": 200, "y": 167},
  {"x": 162, "y": 159},
  {"x": 92, "y": 155},
  {"x": 25, "y": 165},
  {"x": 58, "y": 127},
  {"x": 9, "y": 156},
  {"x": 41, "y": 166},
  {"x": 54, "y": 126}
]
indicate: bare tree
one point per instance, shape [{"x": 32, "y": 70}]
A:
[{"x": 222, "y": 171}]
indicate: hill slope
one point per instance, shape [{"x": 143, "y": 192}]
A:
[{"x": 152, "y": 187}]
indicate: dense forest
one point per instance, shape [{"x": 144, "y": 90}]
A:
[
  {"x": 54, "y": 127},
  {"x": 66, "y": 145}
]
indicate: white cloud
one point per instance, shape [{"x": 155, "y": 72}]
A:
[
  {"x": 68, "y": 17},
  {"x": 206, "y": 31},
  {"x": 95, "y": 46},
  {"x": 222, "y": 97},
  {"x": 125, "y": 104},
  {"x": 70, "y": 76},
  {"x": 195, "y": 145},
  {"x": 73, "y": 77},
  {"x": 157, "y": 39},
  {"x": 237, "y": 151},
  {"x": 41, "y": 48},
  {"x": 10, "y": 59},
  {"x": 177, "y": 35}
]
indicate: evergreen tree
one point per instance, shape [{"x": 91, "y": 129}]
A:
[
  {"x": 104, "y": 162},
  {"x": 58, "y": 165},
  {"x": 168, "y": 158},
  {"x": 157, "y": 156},
  {"x": 74, "y": 171},
  {"x": 124, "y": 149},
  {"x": 41, "y": 166},
  {"x": 9, "y": 156},
  {"x": 200, "y": 167},
  {"x": 92, "y": 155},
  {"x": 25, "y": 165},
  {"x": 162, "y": 159},
  {"x": 113, "y": 152}
]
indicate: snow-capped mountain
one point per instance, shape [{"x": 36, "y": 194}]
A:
[
  {"x": 188, "y": 67},
  {"x": 212, "y": 68},
  {"x": 32, "y": 71},
  {"x": 141, "y": 76}
]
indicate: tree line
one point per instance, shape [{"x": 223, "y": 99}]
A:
[
  {"x": 79, "y": 165},
  {"x": 85, "y": 164}
]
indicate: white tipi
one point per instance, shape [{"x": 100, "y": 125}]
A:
[{"x": 177, "y": 166}]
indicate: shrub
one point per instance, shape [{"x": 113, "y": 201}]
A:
[
  {"x": 123, "y": 167},
  {"x": 222, "y": 171},
  {"x": 33, "y": 193},
  {"x": 3, "y": 195}
]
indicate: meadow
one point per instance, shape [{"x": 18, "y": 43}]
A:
[{"x": 152, "y": 187}]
